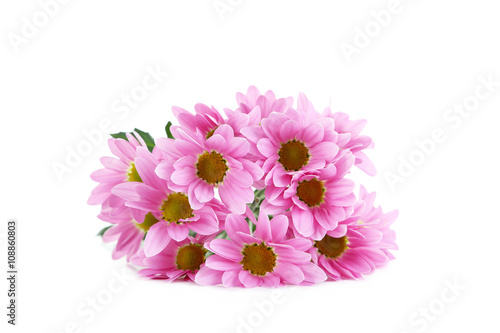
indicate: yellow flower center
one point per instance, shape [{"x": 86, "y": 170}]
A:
[
  {"x": 293, "y": 155},
  {"x": 132, "y": 174},
  {"x": 332, "y": 247},
  {"x": 259, "y": 259},
  {"x": 312, "y": 192},
  {"x": 190, "y": 257},
  {"x": 149, "y": 221},
  {"x": 176, "y": 207},
  {"x": 210, "y": 133},
  {"x": 211, "y": 167}
]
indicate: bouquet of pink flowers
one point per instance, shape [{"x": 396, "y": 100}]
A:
[{"x": 256, "y": 197}]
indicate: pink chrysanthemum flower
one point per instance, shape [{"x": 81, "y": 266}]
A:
[
  {"x": 177, "y": 260},
  {"x": 266, "y": 104},
  {"x": 126, "y": 231},
  {"x": 288, "y": 144},
  {"x": 363, "y": 248},
  {"x": 207, "y": 119},
  {"x": 116, "y": 170},
  {"x": 350, "y": 138},
  {"x": 318, "y": 201},
  {"x": 264, "y": 259},
  {"x": 375, "y": 217},
  {"x": 199, "y": 166},
  {"x": 172, "y": 210}
]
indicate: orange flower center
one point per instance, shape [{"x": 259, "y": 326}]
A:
[
  {"x": 293, "y": 155},
  {"x": 132, "y": 174},
  {"x": 259, "y": 259},
  {"x": 332, "y": 247},
  {"x": 210, "y": 133},
  {"x": 149, "y": 221},
  {"x": 211, "y": 167},
  {"x": 190, "y": 257},
  {"x": 176, "y": 207},
  {"x": 312, "y": 192}
]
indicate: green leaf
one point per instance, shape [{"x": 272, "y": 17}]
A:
[
  {"x": 101, "y": 233},
  {"x": 167, "y": 130},
  {"x": 148, "y": 139},
  {"x": 121, "y": 135}
]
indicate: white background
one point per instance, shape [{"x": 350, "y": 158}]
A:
[{"x": 65, "y": 78}]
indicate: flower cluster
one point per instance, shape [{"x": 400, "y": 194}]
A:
[{"x": 255, "y": 196}]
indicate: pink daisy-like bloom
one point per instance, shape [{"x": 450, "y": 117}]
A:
[
  {"x": 374, "y": 217},
  {"x": 266, "y": 104},
  {"x": 176, "y": 261},
  {"x": 200, "y": 166},
  {"x": 350, "y": 138},
  {"x": 265, "y": 258},
  {"x": 364, "y": 247},
  {"x": 172, "y": 210},
  {"x": 288, "y": 144},
  {"x": 318, "y": 200},
  {"x": 207, "y": 119},
  {"x": 125, "y": 231},
  {"x": 116, "y": 171}
]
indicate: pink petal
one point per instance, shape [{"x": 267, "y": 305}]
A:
[
  {"x": 266, "y": 148},
  {"x": 234, "y": 224},
  {"x": 240, "y": 178},
  {"x": 324, "y": 219},
  {"x": 183, "y": 176},
  {"x": 221, "y": 264},
  {"x": 355, "y": 263},
  {"x": 300, "y": 244},
  {"x": 303, "y": 221},
  {"x": 231, "y": 279},
  {"x": 289, "y": 273},
  {"x": 178, "y": 232},
  {"x": 340, "y": 188},
  {"x": 235, "y": 198},
  {"x": 248, "y": 279},
  {"x": 225, "y": 131},
  {"x": 365, "y": 164},
  {"x": 325, "y": 150},
  {"x": 279, "y": 228},
  {"x": 263, "y": 230},
  {"x": 208, "y": 277},
  {"x": 289, "y": 130},
  {"x": 216, "y": 142},
  {"x": 203, "y": 191},
  {"x": 108, "y": 176},
  {"x": 156, "y": 240},
  {"x": 313, "y": 273},
  {"x": 344, "y": 165},
  {"x": 237, "y": 147},
  {"x": 127, "y": 191},
  {"x": 204, "y": 225},
  {"x": 226, "y": 249},
  {"x": 291, "y": 255},
  {"x": 271, "y": 280},
  {"x": 114, "y": 164},
  {"x": 312, "y": 134}
]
